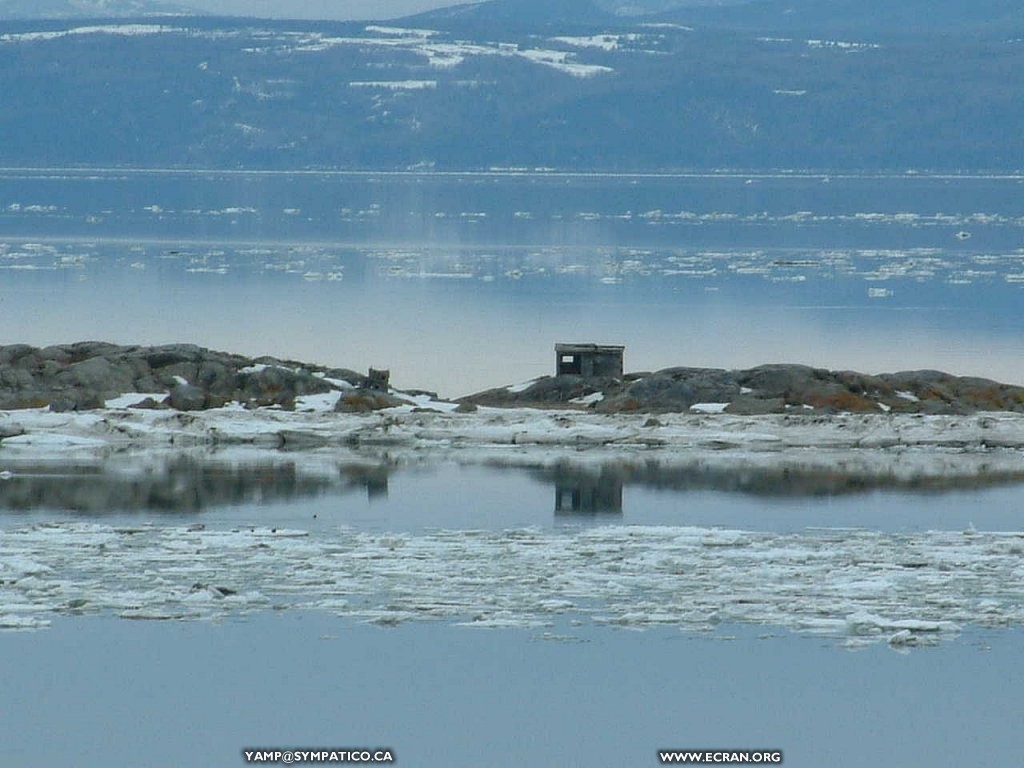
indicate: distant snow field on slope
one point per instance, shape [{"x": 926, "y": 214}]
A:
[
  {"x": 440, "y": 53},
  {"x": 125, "y": 30}
]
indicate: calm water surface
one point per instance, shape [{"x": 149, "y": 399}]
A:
[
  {"x": 870, "y": 273},
  {"x": 93, "y": 692},
  {"x": 460, "y": 282},
  {"x": 381, "y": 495},
  {"x": 92, "y": 689}
]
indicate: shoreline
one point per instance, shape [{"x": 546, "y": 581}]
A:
[
  {"x": 428, "y": 426},
  {"x": 95, "y": 402},
  {"x": 881, "y": 449}
]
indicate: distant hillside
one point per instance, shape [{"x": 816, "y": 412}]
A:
[
  {"x": 521, "y": 14},
  {"x": 567, "y": 86},
  {"x": 90, "y": 9},
  {"x": 880, "y": 19},
  {"x": 883, "y": 19}
]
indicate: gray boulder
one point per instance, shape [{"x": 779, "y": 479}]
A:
[
  {"x": 187, "y": 397},
  {"x": 276, "y": 384},
  {"x": 14, "y": 352},
  {"x": 85, "y": 374},
  {"x": 173, "y": 354},
  {"x": 75, "y": 400},
  {"x": 675, "y": 389},
  {"x": 104, "y": 375},
  {"x": 547, "y": 390}
]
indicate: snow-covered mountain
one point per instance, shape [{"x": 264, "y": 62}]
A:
[
  {"x": 648, "y": 7},
  {"x": 566, "y": 87},
  {"x": 66, "y": 9}
]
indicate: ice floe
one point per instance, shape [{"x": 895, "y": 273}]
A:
[
  {"x": 856, "y": 586},
  {"x": 709, "y": 407},
  {"x": 129, "y": 399},
  {"x": 841, "y": 45},
  {"x": 395, "y": 85}
]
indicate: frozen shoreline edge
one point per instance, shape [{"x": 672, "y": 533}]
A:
[
  {"x": 929, "y": 445},
  {"x": 120, "y": 428}
]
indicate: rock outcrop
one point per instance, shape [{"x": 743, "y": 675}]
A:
[
  {"x": 763, "y": 390},
  {"x": 185, "y": 377},
  {"x": 83, "y": 375}
]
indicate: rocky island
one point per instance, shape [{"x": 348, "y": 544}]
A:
[
  {"x": 98, "y": 398},
  {"x": 88, "y": 375}
]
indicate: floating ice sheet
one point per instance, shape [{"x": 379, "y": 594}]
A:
[{"x": 857, "y": 586}]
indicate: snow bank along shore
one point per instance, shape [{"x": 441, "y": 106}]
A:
[{"x": 433, "y": 424}]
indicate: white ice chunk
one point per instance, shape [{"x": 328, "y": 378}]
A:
[
  {"x": 318, "y": 403},
  {"x": 709, "y": 407},
  {"x": 128, "y": 399},
  {"x": 521, "y": 387},
  {"x": 593, "y": 397}
]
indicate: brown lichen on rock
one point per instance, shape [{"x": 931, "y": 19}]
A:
[{"x": 843, "y": 402}]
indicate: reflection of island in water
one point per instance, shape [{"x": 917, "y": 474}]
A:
[
  {"x": 598, "y": 488},
  {"x": 190, "y": 482},
  {"x": 178, "y": 483}
]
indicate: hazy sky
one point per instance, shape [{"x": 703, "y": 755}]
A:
[{"x": 319, "y": 9}]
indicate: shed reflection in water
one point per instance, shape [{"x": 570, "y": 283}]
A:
[
  {"x": 585, "y": 492},
  {"x": 195, "y": 482}
]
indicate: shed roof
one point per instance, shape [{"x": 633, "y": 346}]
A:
[{"x": 574, "y": 348}]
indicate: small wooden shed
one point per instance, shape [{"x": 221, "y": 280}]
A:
[{"x": 588, "y": 360}]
